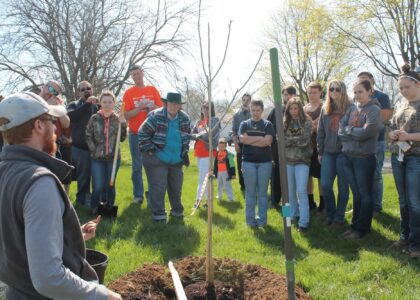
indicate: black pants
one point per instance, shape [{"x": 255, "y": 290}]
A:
[
  {"x": 239, "y": 164},
  {"x": 275, "y": 185}
]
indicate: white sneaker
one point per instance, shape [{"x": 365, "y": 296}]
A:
[{"x": 137, "y": 200}]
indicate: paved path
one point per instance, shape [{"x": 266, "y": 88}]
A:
[{"x": 387, "y": 165}]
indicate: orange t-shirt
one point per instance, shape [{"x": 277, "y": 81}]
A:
[
  {"x": 221, "y": 161},
  {"x": 136, "y": 94},
  {"x": 200, "y": 149}
]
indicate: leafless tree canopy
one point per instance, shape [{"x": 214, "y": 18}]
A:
[
  {"x": 385, "y": 32},
  {"x": 309, "y": 50},
  {"x": 94, "y": 40}
]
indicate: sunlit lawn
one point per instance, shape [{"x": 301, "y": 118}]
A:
[{"x": 327, "y": 266}]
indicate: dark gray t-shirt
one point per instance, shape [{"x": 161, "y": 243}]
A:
[{"x": 259, "y": 128}]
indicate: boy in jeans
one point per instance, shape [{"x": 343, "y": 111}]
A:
[{"x": 224, "y": 170}]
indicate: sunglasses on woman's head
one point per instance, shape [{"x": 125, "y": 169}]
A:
[{"x": 53, "y": 91}]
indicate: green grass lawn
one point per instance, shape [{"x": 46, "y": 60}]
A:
[{"x": 327, "y": 266}]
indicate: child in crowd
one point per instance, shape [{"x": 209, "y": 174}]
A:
[
  {"x": 298, "y": 132},
  {"x": 224, "y": 170},
  {"x": 101, "y": 135}
]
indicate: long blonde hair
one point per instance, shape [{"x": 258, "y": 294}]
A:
[{"x": 340, "y": 104}]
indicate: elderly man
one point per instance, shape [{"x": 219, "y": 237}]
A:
[
  {"x": 164, "y": 140},
  {"x": 42, "y": 249},
  {"x": 80, "y": 112}
]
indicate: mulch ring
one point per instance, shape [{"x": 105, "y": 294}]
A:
[{"x": 233, "y": 280}]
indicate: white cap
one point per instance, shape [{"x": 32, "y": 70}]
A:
[{"x": 19, "y": 108}]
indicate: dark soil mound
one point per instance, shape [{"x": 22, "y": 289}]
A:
[{"x": 233, "y": 280}]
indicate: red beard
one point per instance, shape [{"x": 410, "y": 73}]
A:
[{"x": 49, "y": 144}]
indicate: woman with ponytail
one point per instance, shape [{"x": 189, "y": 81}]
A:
[{"x": 405, "y": 159}]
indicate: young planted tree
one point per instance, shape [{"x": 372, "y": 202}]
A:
[{"x": 210, "y": 76}]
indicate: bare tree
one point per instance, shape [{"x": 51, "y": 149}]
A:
[
  {"x": 209, "y": 75},
  {"x": 309, "y": 49},
  {"x": 94, "y": 40},
  {"x": 384, "y": 32}
]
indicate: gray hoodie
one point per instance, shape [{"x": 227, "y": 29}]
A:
[
  {"x": 359, "y": 129},
  {"x": 327, "y": 135}
]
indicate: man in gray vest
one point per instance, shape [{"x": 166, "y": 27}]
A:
[{"x": 42, "y": 248}]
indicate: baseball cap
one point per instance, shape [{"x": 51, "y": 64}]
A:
[
  {"x": 21, "y": 107},
  {"x": 222, "y": 140}
]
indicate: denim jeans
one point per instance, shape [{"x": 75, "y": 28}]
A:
[
  {"x": 81, "y": 160},
  {"x": 297, "y": 183},
  {"x": 360, "y": 176},
  {"x": 256, "y": 178},
  {"x": 332, "y": 166},
  {"x": 378, "y": 187},
  {"x": 101, "y": 175},
  {"x": 406, "y": 177},
  {"x": 136, "y": 166}
]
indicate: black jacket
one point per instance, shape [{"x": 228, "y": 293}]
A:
[
  {"x": 79, "y": 113},
  {"x": 230, "y": 165}
]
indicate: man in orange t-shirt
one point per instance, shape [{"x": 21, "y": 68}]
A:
[{"x": 139, "y": 100}]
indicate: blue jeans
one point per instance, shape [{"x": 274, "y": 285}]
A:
[
  {"x": 256, "y": 178},
  {"x": 81, "y": 160},
  {"x": 101, "y": 175},
  {"x": 333, "y": 166},
  {"x": 297, "y": 183},
  {"x": 136, "y": 166},
  {"x": 360, "y": 176},
  {"x": 406, "y": 177},
  {"x": 378, "y": 187}
]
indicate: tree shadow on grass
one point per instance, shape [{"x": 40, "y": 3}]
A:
[
  {"x": 231, "y": 207},
  {"x": 274, "y": 237},
  {"x": 218, "y": 219},
  {"x": 321, "y": 236},
  {"x": 389, "y": 221},
  {"x": 173, "y": 239}
]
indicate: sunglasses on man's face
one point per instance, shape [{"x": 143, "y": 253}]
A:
[
  {"x": 85, "y": 89},
  {"x": 333, "y": 89},
  {"x": 52, "y": 119},
  {"x": 53, "y": 91}
]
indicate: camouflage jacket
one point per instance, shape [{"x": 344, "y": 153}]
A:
[
  {"x": 298, "y": 142},
  {"x": 101, "y": 135}
]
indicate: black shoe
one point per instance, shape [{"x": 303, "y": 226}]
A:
[
  {"x": 321, "y": 206},
  {"x": 312, "y": 204},
  {"x": 302, "y": 229}
]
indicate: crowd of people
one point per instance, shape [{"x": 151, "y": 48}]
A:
[{"x": 47, "y": 146}]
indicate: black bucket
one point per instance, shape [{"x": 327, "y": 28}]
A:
[{"x": 98, "y": 261}]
